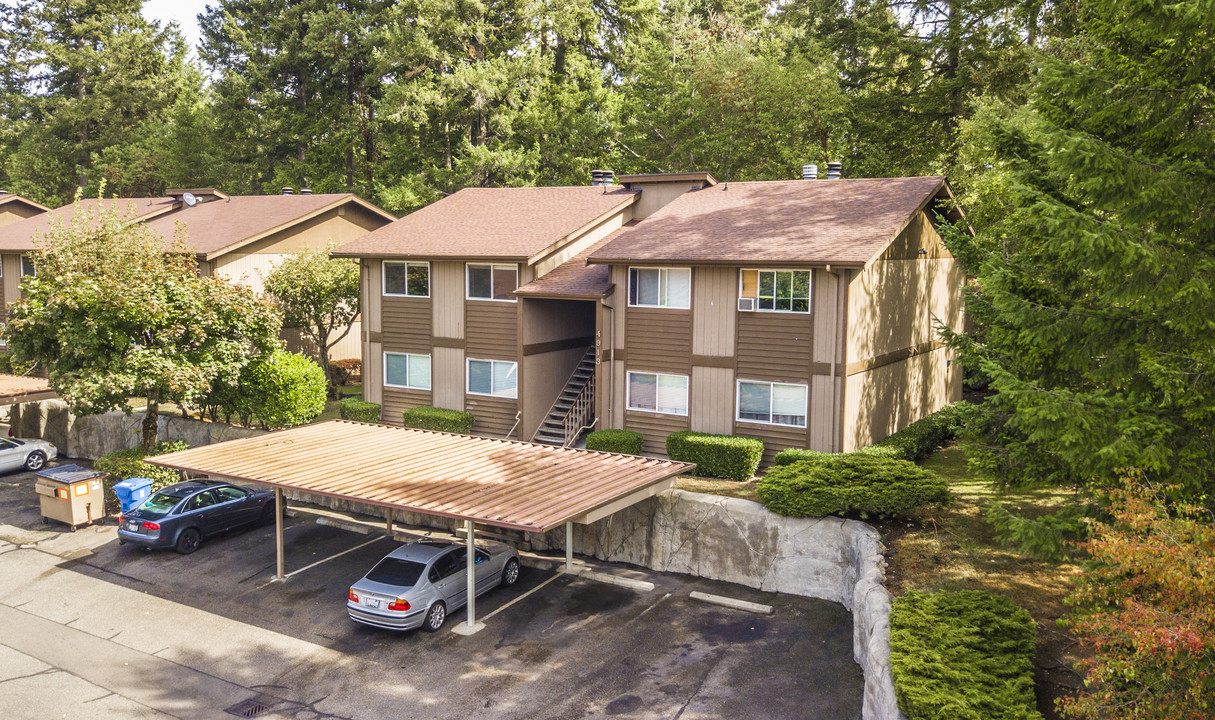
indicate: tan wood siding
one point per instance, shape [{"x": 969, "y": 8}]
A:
[
  {"x": 659, "y": 339},
  {"x": 774, "y": 346},
  {"x": 714, "y": 310},
  {"x": 828, "y": 317},
  {"x": 654, "y": 428},
  {"x": 491, "y": 415},
  {"x": 447, "y": 377},
  {"x": 373, "y": 372},
  {"x": 372, "y": 295},
  {"x": 405, "y": 324},
  {"x": 711, "y": 400},
  {"x": 447, "y": 294},
  {"x": 492, "y": 330},
  {"x": 397, "y": 401},
  {"x": 775, "y": 437},
  {"x": 823, "y": 413},
  {"x": 888, "y": 398},
  {"x": 12, "y": 279}
]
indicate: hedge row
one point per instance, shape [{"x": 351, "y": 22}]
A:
[
  {"x": 853, "y": 483},
  {"x": 913, "y": 442},
  {"x": 443, "y": 420},
  {"x": 359, "y": 410},
  {"x": 130, "y": 463},
  {"x": 625, "y": 442},
  {"x": 724, "y": 456},
  {"x": 966, "y": 655}
]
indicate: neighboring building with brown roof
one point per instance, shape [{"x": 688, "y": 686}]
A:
[
  {"x": 241, "y": 236},
  {"x": 800, "y": 312},
  {"x": 14, "y": 208}
]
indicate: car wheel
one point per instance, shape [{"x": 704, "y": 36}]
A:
[
  {"x": 510, "y": 573},
  {"x": 121, "y": 541},
  {"x": 187, "y": 541},
  {"x": 267, "y": 517},
  {"x": 36, "y": 461},
  {"x": 435, "y": 617}
]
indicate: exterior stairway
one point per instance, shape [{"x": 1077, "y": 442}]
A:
[{"x": 574, "y": 408}]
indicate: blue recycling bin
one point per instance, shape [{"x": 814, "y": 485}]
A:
[{"x": 132, "y": 491}]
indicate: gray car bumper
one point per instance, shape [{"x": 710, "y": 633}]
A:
[{"x": 409, "y": 621}]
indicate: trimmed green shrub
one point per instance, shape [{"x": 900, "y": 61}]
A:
[
  {"x": 723, "y": 456},
  {"x": 426, "y": 417},
  {"x": 852, "y": 483},
  {"x": 966, "y": 655},
  {"x": 359, "y": 410},
  {"x": 923, "y": 436},
  {"x": 792, "y": 455},
  {"x": 130, "y": 463},
  {"x": 626, "y": 442},
  {"x": 289, "y": 388}
]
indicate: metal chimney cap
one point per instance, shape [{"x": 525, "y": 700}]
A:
[
  {"x": 834, "y": 170},
  {"x": 305, "y": 191},
  {"x": 287, "y": 190},
  {"x": 809, "y": 172}
]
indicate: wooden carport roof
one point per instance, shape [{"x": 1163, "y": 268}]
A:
[
  {"x": 19, "y": 388},
  {"x": 502, "y": 483}
]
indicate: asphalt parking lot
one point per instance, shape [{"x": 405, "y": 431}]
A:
[{"x": 209, "y": 630}]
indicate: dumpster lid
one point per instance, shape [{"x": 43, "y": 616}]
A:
[{"x": 70, "y": 473}]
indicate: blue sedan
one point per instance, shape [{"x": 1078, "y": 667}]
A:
[{"x": 182, "y": 515}]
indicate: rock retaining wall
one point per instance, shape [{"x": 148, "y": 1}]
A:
[{"x": 91, "y": 436}]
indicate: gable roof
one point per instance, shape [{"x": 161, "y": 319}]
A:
[
  {"x": 493, "y": 223},
  {"x": 792, "y": 222},
  {"x": 7, "y": 198},
  {"x": 211, "y": 228},
  {"x": 574, "y": 278}
]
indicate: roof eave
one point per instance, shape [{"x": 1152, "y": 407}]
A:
[
  {"x": 729, "y": 262},
  {"x": 232, "y": 247},
  {"x": 584, "y": 229}
]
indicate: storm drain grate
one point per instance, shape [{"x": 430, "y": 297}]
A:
[{"x": 249, "y": 708}]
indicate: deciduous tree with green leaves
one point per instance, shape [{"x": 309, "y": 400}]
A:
[
  {"x": 318, "y": 295},
  {"x": 116, "y": 312}
]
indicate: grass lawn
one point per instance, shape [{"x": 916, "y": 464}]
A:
[
  {"x": 333, "y": 407},
  {"x": 956, "y": 549}
]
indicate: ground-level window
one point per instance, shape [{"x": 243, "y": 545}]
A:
[
  {"x": 405, "y": 370},
  {"x": 777, "y": 290},
  {"x": 773, "y": 403},
  {"x": 657, "y": 392},
  {"x": 660, "y": 287},
  {"x": 407, "y": 279},
  {"x": 492, "y": 282},
  {"x": 493, "y": 377},
  {"x": 27, "y": 267}
]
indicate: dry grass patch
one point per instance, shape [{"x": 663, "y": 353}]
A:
[{"x": 718, "y": 486}]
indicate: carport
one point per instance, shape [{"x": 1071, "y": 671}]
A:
[
  {"x": 20, "y": 388},
  {"x": 500, "y": 483}
]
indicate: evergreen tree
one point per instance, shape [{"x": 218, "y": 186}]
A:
[{"x": 1096, "y": 271}]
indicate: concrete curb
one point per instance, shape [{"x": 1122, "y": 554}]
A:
[
  {"x": 640, "y": 585},
  {"x": 757, "y": 608}
]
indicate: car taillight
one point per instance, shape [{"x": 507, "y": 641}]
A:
[
  {"x": 398, "y": 604},
  {"x": 352, "y": 596},
  {"x": 151, "y": 526}
]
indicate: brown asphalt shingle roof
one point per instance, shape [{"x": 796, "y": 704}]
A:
[
  {"x": 497, "y": 223},
  {"x": 209, "y": 226},
  {"x": 574, "y": 277},
  {"x": 792, "y": 222},
  {"x": 7, "y": 197}
]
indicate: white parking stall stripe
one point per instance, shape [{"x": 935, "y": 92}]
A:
[
  {"x": 512, "y": 602},
  {"x": 332, "y": 557}
]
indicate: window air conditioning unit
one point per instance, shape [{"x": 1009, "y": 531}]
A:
[{"x": 746, "y": 304}]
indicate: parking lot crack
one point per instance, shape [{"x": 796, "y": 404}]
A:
[{"x": 45, "y": 671}]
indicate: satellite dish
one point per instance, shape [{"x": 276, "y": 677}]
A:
[{"x": 189, "y": 199}]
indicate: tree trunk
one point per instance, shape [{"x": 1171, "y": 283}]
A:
[{"x": 151, "y": 417}]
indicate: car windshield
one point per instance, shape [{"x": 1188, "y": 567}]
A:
[
  {"x": 162, "y": 502},
  {"x": 395, "y": 571}
]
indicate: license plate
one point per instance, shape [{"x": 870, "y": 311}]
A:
[
  {"x": 132, "y": 526},
  {"x": 373, "y": 602}
]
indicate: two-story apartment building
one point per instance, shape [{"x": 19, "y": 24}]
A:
[
  {"x": 801, "y": 312},
  {"x": 239, "y": 236}
]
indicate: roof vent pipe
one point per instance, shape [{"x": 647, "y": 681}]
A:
[
  {"x": 602, "y": 177},
  {"x": 287, "y": 190},
  {"x": 834, "y": 169},
  {"x": 809, "y": 172},
  {"x": 305, "y": 191}
]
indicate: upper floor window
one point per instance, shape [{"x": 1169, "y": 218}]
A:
[
  {"x": 772, "y": 403},
  {"x": 657, "y": 392},
  {"x": 404, "y": 370},
  {"x": 492, "y": 282},
  {"x": 27, "y": 267},
  {"x": 407, "y": 279},
  {"x": 493, "y": 377},
  {"x": 777, "y": 290},
  {"x": 660, "y": 287}
]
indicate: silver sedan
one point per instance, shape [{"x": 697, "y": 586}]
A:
[
  {"x": 418, "y": 584},
  {"x": 29, "y": 454}
]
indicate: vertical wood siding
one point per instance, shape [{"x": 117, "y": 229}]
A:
[
  {"x": 447, "y": 377},
  {"x": 447, "y": 295},
  {"x": 372, "y": 295},
  {"x": 373, "y": 372},
  {"x": 714, "y": 310},
  {"x": 711, "y": 400}
]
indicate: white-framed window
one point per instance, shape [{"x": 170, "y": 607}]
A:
[
  {"x": 657, "y": 392},
  {"x": 27, "y": 267},
  {"x": 406, "y": 279},
  {"x": 772, "y": 403},
  {"x": 406, "y": 370},
  {"x": 660, "y": 287},
  {"x": 776, "y": 290},
  {"x": 499, "y": 378},
  {"x": 491, "y": 282}
]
